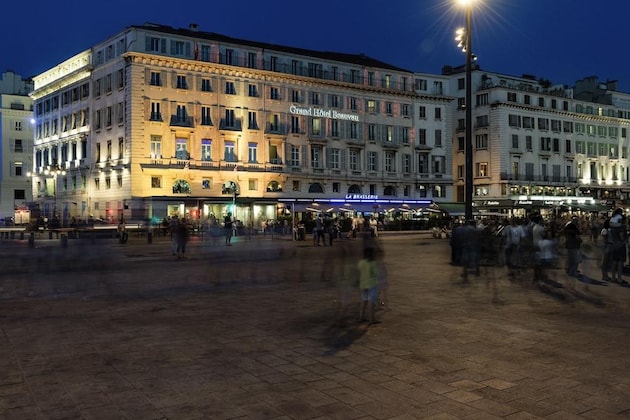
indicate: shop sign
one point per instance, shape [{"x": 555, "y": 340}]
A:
[{"x": 361, "y": 197}]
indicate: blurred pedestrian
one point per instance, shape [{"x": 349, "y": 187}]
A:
[
  {"x": 573, "y": 245},
  {"x": 469, "y": 238},
  {"x": 617, "y": 239},
  {"x": 172, "y": 228},
  {"x": 228, "y": 228},
  {"x": 606, "y": 263},
  {"x": 368, "y": 284},
  {"x": 319, "y": 230},
  {"x": 181, "y": 238},
  {"x": 383, "y": 280}
]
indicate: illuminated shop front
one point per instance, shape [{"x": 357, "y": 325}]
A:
[{"x": 356, "y": 205}]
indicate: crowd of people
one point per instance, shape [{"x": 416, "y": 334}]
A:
[{"x": 534, "y": 244}]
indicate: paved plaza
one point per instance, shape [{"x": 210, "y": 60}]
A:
[{"x": 101, "y": 330}]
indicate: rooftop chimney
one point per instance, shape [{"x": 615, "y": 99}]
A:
[{"x": 193, "y": 27}]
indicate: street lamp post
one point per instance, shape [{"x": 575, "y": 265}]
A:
[
  {"x": 54, "y": 172},
  {"x": 468, "y": 211},
  {"x": 465, "y": 42}
]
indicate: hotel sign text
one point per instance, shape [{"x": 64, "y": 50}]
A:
[{"x": 322, "y": 113}]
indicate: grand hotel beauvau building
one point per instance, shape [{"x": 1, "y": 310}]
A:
[{"x": 158, "y": 121}]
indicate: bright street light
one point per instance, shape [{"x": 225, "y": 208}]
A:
[{"x": 464, "y": 39}]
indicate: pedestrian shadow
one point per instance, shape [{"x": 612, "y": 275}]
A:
[
  {"x": 342, "y": 334},
  {"x": 570, "y": 292},
  {"x": 590, "y": 280}
]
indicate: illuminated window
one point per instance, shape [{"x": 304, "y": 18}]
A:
[
  {"x": 156, "y": 147},
  {"x": 229, "y": 152},
  {"x": 252, "y": 152},
  {"x": 206, "y": 150},
  {"x": 181, "y": 186},
  {"x": 316, "y": 126},
  {"x": 181, "y": 151},
  {"x": 482, "y": 169}
]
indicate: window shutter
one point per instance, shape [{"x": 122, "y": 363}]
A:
[
  {"x": 328, "y": 158},
  {"x": 188, "y": 50},
  {"x": 147, "y": 43},
  {"x": 173, "y": 47},
  {"x": 342, "y": 162},
  {"x": 163, "y": 46}
]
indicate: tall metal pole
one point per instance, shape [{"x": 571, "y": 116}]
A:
[{"x": 468, "y": 187}]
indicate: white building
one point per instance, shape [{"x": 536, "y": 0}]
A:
[
  {"x": 537, "y": 146},
  {"x": 16, "y": 138}
]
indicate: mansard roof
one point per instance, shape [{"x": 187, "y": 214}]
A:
[{"x": 358, "y": 59}]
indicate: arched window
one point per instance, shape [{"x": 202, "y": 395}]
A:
[
  {"x": 274, "y": 186},
  {"x": 389, "y": 190},
  {"x": 181, "y": 186},
  {"x": 354, "y": 189},
  {"x": 230, "y": 187},
  {"x": 316, "y": 187}
]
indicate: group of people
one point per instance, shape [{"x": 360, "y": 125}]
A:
[
  {"x": 521, "y": 244},
  {"x": 323, "y": 229}
]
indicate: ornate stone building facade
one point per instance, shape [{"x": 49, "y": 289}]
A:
[{"x": 157, "y": 121}]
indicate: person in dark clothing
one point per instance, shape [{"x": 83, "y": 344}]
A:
[
  {"x": 228, "y": 226},
  {"x": 181, "y": 238},
  {"x": 573, "y": 245}
]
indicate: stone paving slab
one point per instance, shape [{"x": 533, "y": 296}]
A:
[{"x": 250, "y": 332}]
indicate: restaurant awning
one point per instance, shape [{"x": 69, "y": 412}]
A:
[
  {"x": 361, "y": 207},
  {"x": 454, "y": 209},
  {"x": 314, "y": 207},
  {"x": 593, "y": 208}
]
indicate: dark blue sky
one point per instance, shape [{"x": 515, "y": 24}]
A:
[{"x": 560, "y": 40}]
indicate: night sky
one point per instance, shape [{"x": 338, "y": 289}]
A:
[{"x": 559, "y": 40}]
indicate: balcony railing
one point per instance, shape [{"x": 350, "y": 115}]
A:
[
  {"x": 276, "y": 128},
  {"x": 231, "y": 124},
  {"x": 179, "y": 121},
  {"x": 537, "y": 178},
  {"x": 221, "y": 165}
]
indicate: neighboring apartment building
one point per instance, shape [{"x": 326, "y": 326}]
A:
[
  {"x": 157, "y": 121},
  {"x": 537, "y": 146},
  {"x": 16, "y": 153}
]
